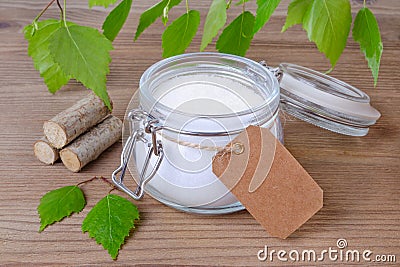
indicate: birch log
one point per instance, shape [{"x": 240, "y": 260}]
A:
[
  {"x": 90, "y": 145},
  {"x": 72, "y": 122},
  {"x": 45, "y": 152}
]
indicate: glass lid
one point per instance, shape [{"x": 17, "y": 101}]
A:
[{"x": 325, "y": 101}]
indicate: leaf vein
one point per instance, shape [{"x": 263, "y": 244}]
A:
[
  {"x": 79, "y": 51},
  {"x": 109, "y": 219},
  {"x": 330, "y": 20}
]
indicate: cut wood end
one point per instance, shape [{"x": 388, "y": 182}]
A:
[
  {"x": 55, "y": 134},
  {"x": 44, "y": 152},
  {"x": 70, "y": 160}
]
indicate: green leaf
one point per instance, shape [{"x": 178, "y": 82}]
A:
[
  {"x": 295, "y": 14},
  {"x": 116, "y": 19},
  {"x": 366, "y": 33},
  {"x": 328, "y": 23},
  {"x": 215, "y": 20},
  {"x": 38, "y": 36},
  {"x": 83, "y": 53},
  {"x": 236, "y": 37},
  {"x": 265, "y": 8},
  {"x": 178, "y": 36},
  {"x": 104, "y": 3},
  {"x": 150, "y": 15},
  {"x": 60, "y": 203},
  {"x": 110, "y": 222}
]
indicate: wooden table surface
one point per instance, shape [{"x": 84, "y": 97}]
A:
[{"x": 360, "y": 176}]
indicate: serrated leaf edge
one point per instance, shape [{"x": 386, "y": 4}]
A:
[
  {"x": 105, "y": 97},
  {"x": 187, "y": 14},
  {"x": 137, "y": 33},
  {"x": 332, "y": 61},
  {"x": 35, "y": 64},
  {"x": 133, "y": 220},
  {"x": 123, "y": 2},
  {"x": 43, "y": 227},
  {"x": 204, "y": 43},
  {"x": 375, "y": 73},
  {"x": 241, "y": 32}
]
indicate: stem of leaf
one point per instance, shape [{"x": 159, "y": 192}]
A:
[
  {"x": 187, "y": 6},
  {"x": 329, "y": 71},
  {"x": 101, "y": 178},
  {"x": 61, "y": 9},
  {"x": 43, "y": 10},
  {"x": 64, "y": 13},
  {"x": 365, "y": 3},
  {"x": 87, "y": 181},
  {"x": 112, "y": 189},
  {"x": 107, "y": 182}
]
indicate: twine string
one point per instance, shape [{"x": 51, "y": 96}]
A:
[{"x": 236, "y": 148}]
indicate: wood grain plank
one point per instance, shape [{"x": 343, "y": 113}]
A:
[{"x": 360, "y": 176}]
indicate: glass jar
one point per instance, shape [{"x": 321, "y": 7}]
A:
[
  {"x": 189, "y": 107},
  {"x": 195, "y": 104}
]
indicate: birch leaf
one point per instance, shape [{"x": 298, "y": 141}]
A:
[
  {"x": 83, "y": 53},
  {"x": 328, "y": 23},
  {"x": 215, "y": 20},
  {"x": 116, "y": 19},
  {"x": 295, "y": 14},
  {"x": 38, "y": 48},
  {"x": 110, "y": 222},
  {"x": 149, "y": 16},
  {"x": 60, "y": 203},
  {"x": 366, "y": 33},
  {"x": 237, "y": 36},
  {"x": 178, "y": 36},
  {"x": 265, "y": 8}
]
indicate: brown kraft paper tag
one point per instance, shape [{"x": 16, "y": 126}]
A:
[{"x": 269, "y": 182}]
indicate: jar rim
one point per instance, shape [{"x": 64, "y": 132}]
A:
[
  {"x": 217, "y": 58},
  {"x": 326, "y": 83}
]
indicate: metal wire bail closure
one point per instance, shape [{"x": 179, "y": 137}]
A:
[
  {"x": 138, "y": 116},
  {"x": 276, "y": 71}
]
